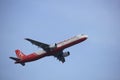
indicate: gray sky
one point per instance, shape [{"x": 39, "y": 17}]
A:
[{"x": 51, "y": 21}]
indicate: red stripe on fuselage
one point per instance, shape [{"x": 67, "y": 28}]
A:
[
  {"x": 73, "y": 43},
  {"x": 32, "y": 57}
]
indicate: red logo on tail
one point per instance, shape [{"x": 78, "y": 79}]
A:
[{"x": 19, "y": 54}]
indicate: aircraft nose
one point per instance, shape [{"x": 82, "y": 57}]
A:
[
  {"x": 86, "y": 36},
  {"x": 82, "y": 36}
]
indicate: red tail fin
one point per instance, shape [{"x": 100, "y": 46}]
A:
[{"x": 19, "y": 54}]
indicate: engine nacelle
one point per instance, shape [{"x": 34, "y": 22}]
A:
[
  {"x": 65, "y": 54},
  {"x": 53, "y": 46}
]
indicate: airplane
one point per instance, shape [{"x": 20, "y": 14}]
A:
[{"x": 55, "y": 50}]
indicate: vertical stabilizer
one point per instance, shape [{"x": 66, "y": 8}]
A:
[{"x": 19, "y": 54}]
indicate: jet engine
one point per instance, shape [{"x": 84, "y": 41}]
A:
[
  {"x": 53, "y": 46},
  {"x": 65, "y": 54}
]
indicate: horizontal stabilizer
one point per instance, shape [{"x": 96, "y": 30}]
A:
[
  {"x": 15, "y": 59},
  {"x": 23, "y": 64}
]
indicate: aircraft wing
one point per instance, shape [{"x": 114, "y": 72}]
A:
[
  {"x": 39, "y": 44},
  {"x": 59, "y": 56}
]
